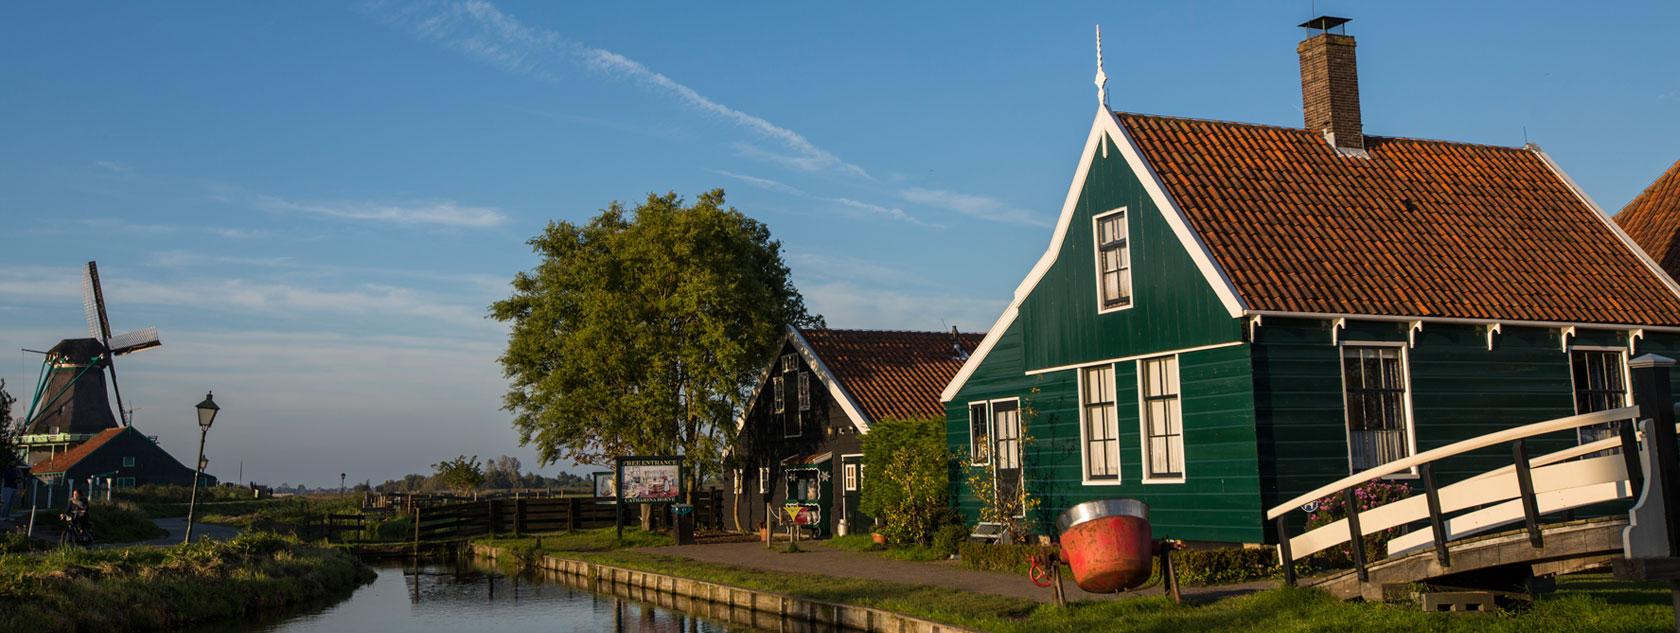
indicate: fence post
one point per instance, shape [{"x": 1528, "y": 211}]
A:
[
  {"x": 573, "y": 507},
  {"x": 1285, "y": 557},
  {"x": 490, "y": 517},
  {"x": 1356, "y": 539},
  {"x": 1651, "y": 390},
  {"x": 1437, "y": 527},
  {"x": 1525, "y": 488},
  {"x": 518, "y": 517}
]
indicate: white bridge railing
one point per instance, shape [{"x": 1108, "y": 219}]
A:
[{"x": 1523, "y": 491}]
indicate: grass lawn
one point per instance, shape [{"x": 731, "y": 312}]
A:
[
  {"x": 1583, "y": 603},
  {"x": 863, "y": 543}
]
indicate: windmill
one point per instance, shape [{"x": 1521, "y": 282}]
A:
[
  {"x": 70, "y": 403},
  {"x": 99, "y": 327}
]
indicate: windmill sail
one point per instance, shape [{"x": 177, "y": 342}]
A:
[
  {"x": 93, "y": 303},
  {"x": 130, "y": 342}
]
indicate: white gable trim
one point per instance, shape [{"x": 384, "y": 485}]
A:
[
  {"x": 822, "y": 373},
  {"x": 1598, "y": 212},
  {"x": 1104, "y": 126}
]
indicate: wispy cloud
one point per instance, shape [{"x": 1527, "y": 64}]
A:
[
  {"x": 184, "y": 259},
  {"x": 480, "y": 30},
  {"x": 438, "y": 212},
  {"x": 849, "y": 305},
  {"x": 892, "y": 213},
  {"x": 118, "y": 225},
  {"x": 113, "y": 165},
  {"x": 982, "y": 207},
  {"x": 268, "y": 299}
]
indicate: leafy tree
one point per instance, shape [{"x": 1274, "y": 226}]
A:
[
  {"x": 640, "y": 331},
  {"x": 461, "y": 474},
  {"x": 9, "y": 430},
  {"x": 906, "y": 487}
]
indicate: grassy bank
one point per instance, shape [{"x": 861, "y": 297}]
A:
[
  {"x": 1592, "y": 603},
  {"x": 165, "y": 588}
]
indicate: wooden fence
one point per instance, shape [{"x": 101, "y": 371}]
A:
[{"x": 517, "y": 517}]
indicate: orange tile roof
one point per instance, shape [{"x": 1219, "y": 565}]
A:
[
  {"x": 1421, "y": 228},
  {"x": 1653, "y": 220},
  {"x": 63, "y": 461},
  {"x": 892, "y": 374}
]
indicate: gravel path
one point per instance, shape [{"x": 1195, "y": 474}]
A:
[{"x": 818, "y": 559}]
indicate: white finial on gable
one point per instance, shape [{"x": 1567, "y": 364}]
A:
[{"x": 1102, "y": 77}]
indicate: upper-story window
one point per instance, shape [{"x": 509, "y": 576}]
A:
[
  {"x": 790, "y": 362},
  {"x": 780, "y": 393},
  {"x": 979, "y": 435},
  {"x": 1600, "y": 377},
  {"x": 1102, "y": 432},
  {"x": 1114, "y": 261},
  {"x": 804, "y": 391}
]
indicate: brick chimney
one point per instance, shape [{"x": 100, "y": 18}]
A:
[{"x": 1330, "y": 84}]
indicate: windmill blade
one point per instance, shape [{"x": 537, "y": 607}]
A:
[
  {"x": 93, "y": 303},
  {"x": 137, "y": 340}
]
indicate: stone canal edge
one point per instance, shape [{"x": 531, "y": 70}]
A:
[{"x": 735, "y": 605}]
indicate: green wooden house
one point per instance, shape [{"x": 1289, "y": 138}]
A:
[{"x": 1229, "y": 315}]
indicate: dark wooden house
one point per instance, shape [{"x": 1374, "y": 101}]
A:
[
  {"x": 1229, "y": 315},
  {"x": 119, "y": 457},
  {"x": 799, "y": 443}
]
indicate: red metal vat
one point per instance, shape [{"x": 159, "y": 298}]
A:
[{"x": 1107, "y": 543}]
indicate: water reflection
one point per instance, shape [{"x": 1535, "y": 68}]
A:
[{"x": 478, "y": 598}]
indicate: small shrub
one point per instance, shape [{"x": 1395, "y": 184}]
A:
[
  {"x": 122, "y": 522},
  {"x": 908, "y": 482},
  {"x": 1005, "y": 558},
  {"x": 1225, "y": 566},
  {"x": 949, "y": 537},
  {"x": 1333, "y": 508}
]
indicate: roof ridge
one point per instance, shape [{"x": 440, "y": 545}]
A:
[
  {"x": 1286, "y": 128},
  {"x": 870, "y": 331}
]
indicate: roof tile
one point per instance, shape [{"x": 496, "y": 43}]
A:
[
  {"x": 1653, "y": 220},
  {"x": 892, "y": 374}
]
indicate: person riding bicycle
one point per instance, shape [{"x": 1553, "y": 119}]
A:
[{"x": 76, "y": 517}]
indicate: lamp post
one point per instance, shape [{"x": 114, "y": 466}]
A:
[
  {"x": 341, "y": 483},
  {"x": 206, "y": 416}
]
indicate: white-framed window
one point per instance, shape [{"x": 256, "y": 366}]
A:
[
  {"x": 804, "y": 391},
  {"x": 1376, "y": 395},
  {"x": 125, "y": 482},
  {"x": 1007, "y": 474},
  {"x": 790, "y": 362},
  {"x": 979, "y": 434},
  {"x": 851, "y": 475},
  {"x": 1114, "y": 261},
  {"x": 1161, "y": 420},
  {"x": 780, "y": 392},
  {"x": 1599, "y": 376},
  {"x": 763, "y": 480},
  {"x": 128, "y": 462},
  {"x": 1099, "y": 426},
  {"x": 739, "y": 488}
]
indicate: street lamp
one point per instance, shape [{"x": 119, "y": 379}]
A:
[
  {"x": 206, "y": 416},
  {"x": 341, "y": 483}
]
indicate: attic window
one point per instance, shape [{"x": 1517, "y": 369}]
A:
[
  {"x": 1114, "y": 261},
  {"x": 804, "y": 391},
  {"x": 789, "y": 363}
]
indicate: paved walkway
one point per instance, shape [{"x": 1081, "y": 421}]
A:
[
  {"x": 822, "y": 560},
  {"x": 177, "y": 528}
]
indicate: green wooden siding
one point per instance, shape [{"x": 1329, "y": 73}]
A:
[
  {"x": 1459, "y": 390},
  {"x": 1173, "y": 306},
  {"x": 1173, "y": 309}
]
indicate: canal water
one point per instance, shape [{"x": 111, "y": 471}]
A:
[{"x": 477, "y": 597}]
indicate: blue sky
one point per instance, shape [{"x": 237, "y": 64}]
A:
[{"x": 316, "y": 202}]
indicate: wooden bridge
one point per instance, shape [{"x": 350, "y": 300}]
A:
[
  {"x": 1451, "y": 534},
  {"x": 518, "y": 517}
]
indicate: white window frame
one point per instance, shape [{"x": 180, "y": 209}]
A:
[
  {"x": 1096, "y": 256},
  {"x": 789, "y": 363},
  {"x": 1084, "y": 434},
  {"x": 988, "y": 422},
  {"x": 763, "y": 480},
  {"x": 128, "y": 461},
  {"x": 1627, "y": 377},
  {"x": 1020, "y": 452},
  {"x": 779, "y": 392},
  {"x": 1143, "y": 422},
  {"x": 1411, "y": 420},
  {"x": 851, "y": 475},
  {"x": 738, "y": 479},
  {"x": 804, "y": 391}
]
